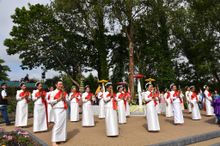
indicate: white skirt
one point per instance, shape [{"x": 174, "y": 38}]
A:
[
  {"x": 158, "y": 107},
  {"x": 59, "y": 132},
  {"x": 74, "y": 111},
  {"x": 50, "y": 113},
  {"x": 195, "y": 111},
  {"x": 111, "y": 122},
  {"x": 169, "y": 110},
  {"x": 209, "y": 108},
  {"x": 21, "y": 118},
  {"x": 101, "y": 109},
  {"x": 40, "y": 118},
  {"x": 127, "y": 109},
  {"x": 189, "y": 107},
  {"x": 163, "y": 107},
  {"x": 152, "y": 117},
  {"x": 87, "y": 115},
  {"x": 121, "y": 112},
  {"x": 178, "y": 114}
]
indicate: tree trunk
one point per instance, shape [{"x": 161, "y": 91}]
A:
[
  {"x": 131, "y": 68},
  {"x": 129, "y": 33}
]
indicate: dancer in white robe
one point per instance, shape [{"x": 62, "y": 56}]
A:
[
  {"x": 58, "y": 100},
  {"x": 181, "y": 98},
  {"x": 188, "y": 99},
  {"x": 151, "y": 112},
  {"x": 162, "y": 103},
  {"x": 169, "y": 104},
  {"x": 157, "y": 98},
  {"x": 22, "y": 96},
  {"x": 101, "y": 104},
  {"x": 121, "y": 105},
  {"x": 87, "y": 113},
  {"x": 40, "y": 122},
  {"x": 127, "y": 99},
  {"x": 208, "y": 101},
  {"x": 194, "y": 104},
  {"x": 74, "y": 99},
  {"x": 177, "y": 109},
  {"x": 111, "y": 120},
  {"x": 50, "y": 111}
]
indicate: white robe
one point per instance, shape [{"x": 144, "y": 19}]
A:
[
  {"x": 128, "y": 113},
  {"x": 87, "y": 112},
  {"x": 177, "y": 109},
  {"x": 182, "y": 104},
  {"x": 111, "y": 120},
  {"x": 195, "y": 108},
  {"x": 40, "y": 117},
  {"x": 208, "y": 101},
  {"x": 21, "y": 118},
  {"x": 74, "y": 107},
  {"x": 158, "y": 105},
  {"x": 121, "y": 109},
  {"x": 162, "y": 104},
  {"x": 50, "y": 111},
  {"x": 59, "y": 131},
  {"x": 169, "y": 106},
  {"x": 101, "y": 106},
  {"x": 188, "y": 101},
  {"x": 151, "y": 112}
]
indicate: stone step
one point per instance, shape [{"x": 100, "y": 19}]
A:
[{"x": 191, "y": 140}]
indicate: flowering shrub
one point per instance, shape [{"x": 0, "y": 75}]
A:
[{"x": 18, "y": 137}]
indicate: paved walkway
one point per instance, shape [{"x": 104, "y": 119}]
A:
[{"x": 131, "y": 134}]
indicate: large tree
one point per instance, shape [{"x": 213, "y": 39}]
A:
[{"x": 40, "y": 38}]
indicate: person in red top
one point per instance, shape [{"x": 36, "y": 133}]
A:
[
  {"x": 49, "y": 106},
  {"x": 58, "y": 99},
  {"x": 87, "y": 113},
  {"x": 127, "y": 100},
  {"x": 74, "y": 98},
  {"x": 40, "y": 122},
  {"x": 194, "y": 104},
  {"x": 23, "y": 96}
]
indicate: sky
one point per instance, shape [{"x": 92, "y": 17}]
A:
[{"x": 7, "y": 8}]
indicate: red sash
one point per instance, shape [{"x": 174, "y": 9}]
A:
[
  {"x": 75, "y": 95},
  {"x": 42, "y": 94},
  {"x": 89, "y": 96},
  {"x": 168, "y": 96},
  {"x": 114, "y": 102},
  {"x": 127, "y": 96},
  {"x": 25, "y": 93},
  {"x": 209, "y": 94},
  {"x": 177, "y": 94},
  {"x": 58, "y": 95},
  {"x": 48, "y": 98},
  {"x": 151, "y": 96},
  {"x": 194, "y": 95},
  {"x": 122, "y": 97}
]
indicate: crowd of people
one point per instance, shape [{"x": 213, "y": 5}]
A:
[{"x": 52, "y": 106}]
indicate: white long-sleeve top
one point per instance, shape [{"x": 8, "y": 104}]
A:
[
  {"x": 208, "y": 95},
  {"x": 21, "y": 99},
  {"x": 74, "y": 99},
  {"x": 37, "y": 100},
  {"x": 55, "y": 102}
]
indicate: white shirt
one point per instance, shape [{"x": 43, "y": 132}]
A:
[{"x": 4, "y": 94}]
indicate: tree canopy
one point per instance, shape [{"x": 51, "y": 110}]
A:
[
  {"x": 3, "y": 70},
  {"x": 171, "y": 41}
]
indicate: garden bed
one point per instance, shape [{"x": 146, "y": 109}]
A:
[{"x": 19, "y": 137}]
